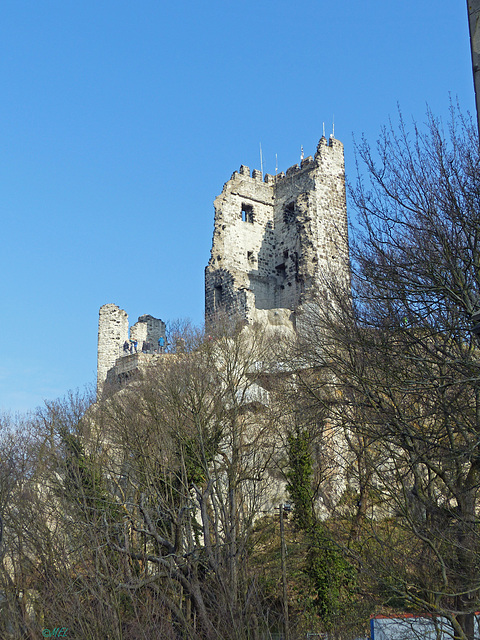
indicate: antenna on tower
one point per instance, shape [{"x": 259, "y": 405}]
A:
[
  {"x": 261, "y": 158},
  {"x": 323, "y": 129},
  {"x": 301, "y": 155},
  {"x": 276, "y": 164},
  {"x": 333, "y": 126}
]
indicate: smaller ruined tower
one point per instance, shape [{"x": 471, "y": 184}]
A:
[
  {"x": 113, "y": 332},
  {"x": 277, "y": 237},
  {"x": 147, "y": 330}
]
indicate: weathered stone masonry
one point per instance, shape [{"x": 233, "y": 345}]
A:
[
  {"x": 276, "y": 237},
  {"x": 113, "y": 332}
]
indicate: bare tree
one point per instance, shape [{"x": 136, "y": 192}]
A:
[
  {"x": 141, "y": 516},
  {"x": 188, "y": 452},
  {"x": 403, "y": 367}
]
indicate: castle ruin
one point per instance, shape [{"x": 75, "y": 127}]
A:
[
  {"x": 116, "y": 363},
  {"x": 276, "y": 237}
]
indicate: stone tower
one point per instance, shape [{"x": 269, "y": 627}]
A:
[
  {"x": 276, "y": 237},
  {"x": 112, "y": 333}
]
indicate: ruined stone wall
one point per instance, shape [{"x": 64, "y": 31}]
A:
[
  {"x": 243, "y": 219},
  {"x": 331, "y": 225},
  {"x": 113, "y": 332},
  {"x": 147, "y": 330},
  {"x": 292, "y": 206},
  {"x": 276, "y": 238}
]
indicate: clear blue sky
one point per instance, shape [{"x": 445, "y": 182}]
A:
[{"x": 120, "y": 121}]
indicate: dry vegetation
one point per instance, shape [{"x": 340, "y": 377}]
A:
[{"x": 151, "y": 514}]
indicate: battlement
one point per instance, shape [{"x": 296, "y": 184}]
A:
[
  {"x": 276, "y": 236},
  {"x": 331, "y": 145}
]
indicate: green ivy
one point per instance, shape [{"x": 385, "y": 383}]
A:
[
  {"x": 332, "y": 576},
  {"x": 299, "y": 476}
]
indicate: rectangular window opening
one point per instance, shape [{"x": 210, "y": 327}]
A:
[
  {"x": 281, "y": 271},
  {"x": 289, "y": 213},
  {"x": 217, "y": 296},
  {"x": 247, "y": 213}
]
